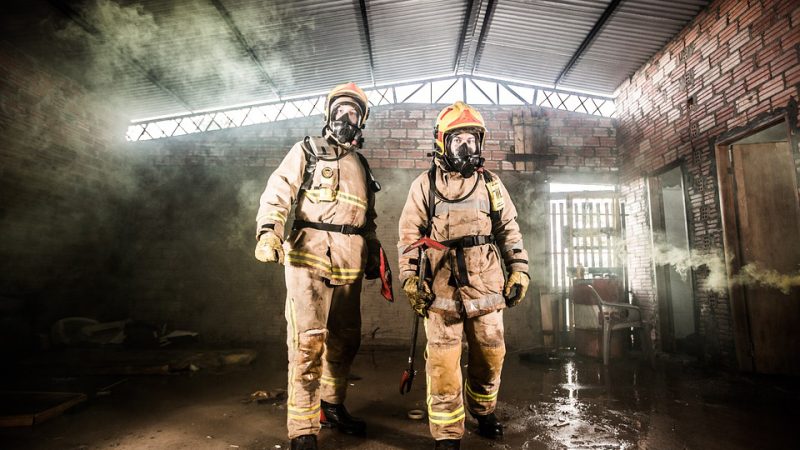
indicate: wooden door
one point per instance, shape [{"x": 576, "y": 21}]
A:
[{"x": 768, "y": 219}]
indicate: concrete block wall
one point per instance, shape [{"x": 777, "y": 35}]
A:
[
  {"x": 60, "y": 184},
  {"x": 195, "y": 217},
  {"x": 735, "y": 62}
]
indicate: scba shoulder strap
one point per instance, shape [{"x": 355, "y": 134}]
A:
[
  {"x": 310, "y": 150},
  {"x": 496, "y": 200},
  {"x": 461, "y": 275}
]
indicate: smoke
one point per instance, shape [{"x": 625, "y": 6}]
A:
[
  {"x": 752, "y": 274},
  {"x": 683, "y": 261},
  {"x": 187, "y": 47},
  {"x": 713, "y": 265}
]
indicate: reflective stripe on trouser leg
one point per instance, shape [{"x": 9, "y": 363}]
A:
[
  {"x": 307, "y": 303},
  {"x": 344, "y": 338},
  {"x": 443, "y": 369},
  {"x": 487, "y": 351}
]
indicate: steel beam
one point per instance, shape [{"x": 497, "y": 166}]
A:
[
  {"x": 365, "y": 23},
  {"x": 223, "y": 11},
  {"x": 588, "y": 40},
  {"x": 76, "y": 17}
]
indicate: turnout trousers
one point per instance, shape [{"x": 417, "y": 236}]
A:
[
  {"x": 446, "y": 389},
  {"x": 323, "y": 336}
]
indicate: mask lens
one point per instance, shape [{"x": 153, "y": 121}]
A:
[{"x": 350, "y": 115}]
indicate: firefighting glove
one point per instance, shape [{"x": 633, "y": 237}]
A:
[
  {"x": 269, "y": 248},
  {"x": 419, "y": 299},
  {"x": 516, "y": 287}
]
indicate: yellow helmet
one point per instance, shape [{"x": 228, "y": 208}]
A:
[
  {"x": 353, "y": 92},
  {"x": 456, "y": 116}
]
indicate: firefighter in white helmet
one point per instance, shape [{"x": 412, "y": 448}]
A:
[
  {"x": 331, "y": 246},
  {"x": 467, "y": 208}
]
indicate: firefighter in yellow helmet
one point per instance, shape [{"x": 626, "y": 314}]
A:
[
  {"x": 331, "y": 246},
  {"x": 467, "y": 208}
]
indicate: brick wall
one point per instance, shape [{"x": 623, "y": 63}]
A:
[
  {"x": 58, "y": 176},
  {"x": 400, "y": 136},
  {"x": 195, "y": 218},
  {"x": 737, "y": 61}
]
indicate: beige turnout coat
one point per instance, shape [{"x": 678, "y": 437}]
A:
[
  {"x": 337, "y": 195},
  {"x": 484, "y": 293}
]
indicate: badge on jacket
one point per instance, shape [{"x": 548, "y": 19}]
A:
[
  {"x": 495, "y": 195},
  {"x": 327, "y": 193}
]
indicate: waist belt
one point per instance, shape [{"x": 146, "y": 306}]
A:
[
  {"x": 461, "y": 276},
  {"x": 469, "y": 241},
  {"x": 344, "y": 229}
]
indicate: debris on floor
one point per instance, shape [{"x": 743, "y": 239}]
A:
[
  {"x": 25, "y": 409},
  {"x": 88, "y": 332},
  {"x": 275, "y": 395},
  {"x": 121, "y": 361}
]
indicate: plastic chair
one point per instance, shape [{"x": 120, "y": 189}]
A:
[{"x": 618, "y": 316}]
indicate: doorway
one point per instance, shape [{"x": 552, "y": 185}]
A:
[
  {"x": 761, "y": 226},
  {"x": 674, "y": 290}
]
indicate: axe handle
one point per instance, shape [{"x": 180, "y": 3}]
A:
[
  {"x": 421, "y": 269},
  {"x": 413, "y": 351}
]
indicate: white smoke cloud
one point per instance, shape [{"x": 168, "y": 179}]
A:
[
  {"x": 753, "y": 274},
  {"x": 185, "y": 46},
  {"x": 714, "y": 265}
]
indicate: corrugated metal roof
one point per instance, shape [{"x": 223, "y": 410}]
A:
[
  {"x": 413, "y": 39},
  {"x": 636, "y": 31},
  {"x": 161, "y": 57},
  {"x": 307, "y": 46},
  {"x": 533, "y": 40}
]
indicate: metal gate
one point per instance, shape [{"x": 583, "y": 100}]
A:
[{"x": 585, "y": 236}]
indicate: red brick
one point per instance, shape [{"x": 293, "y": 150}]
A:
[
  {"x": 783, "y": 63},
  {"x": 767, "y": 55},
  {"x": 784, "y": 7},
  {"x": 493, "y": 165},
  {"x": 774, "y": 32},
  {"x": 591, "y": 141},
  {"x": 730, "y": 62},
  {"x": 718, "y": 54},
  {"x": 751, "y": 48},
  {"x": 380, "y": 153},
  {"x": 726, "y": 33},
  {"x": 407, "y": 143},
  {"x": 415, "y": 134},
  {"x": 757, "y": 77},
  {"x": 747, "y": 17},
  {"x": 723, "y": 82},
  {"x": 781, "y": 99},
  {"x": 761, "y": 24},
  {"x": 578, "y": 141},
  {"x": 791, "y": 39},
  {"x": 771, "y": 88},
  {"x": 732, "y": 9},
  {"x": 795, "y": 18},
  {"x": 792, "y": 76}
]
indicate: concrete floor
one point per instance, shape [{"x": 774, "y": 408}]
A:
[{"x": 545, "y": 403}]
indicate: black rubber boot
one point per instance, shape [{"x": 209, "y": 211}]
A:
[
  {"x": 489, "y": 426},
  {"x": 448, "y": 444},
  {"x": 305, "y": 442},
  {"x": 336, "y": 416}
]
